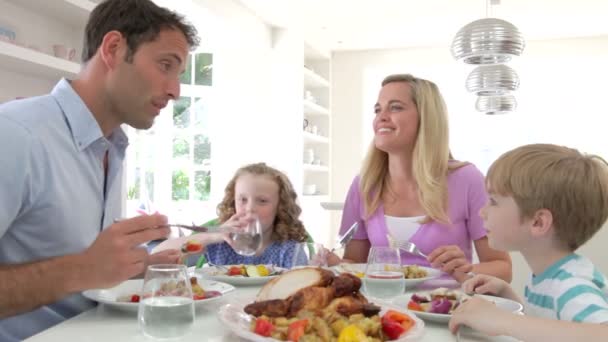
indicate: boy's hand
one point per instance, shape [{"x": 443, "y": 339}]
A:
[
  {"x": 481, "y": 315},
  {"x": 482, "y": 284},
  {"x": 450, "y": 259}
]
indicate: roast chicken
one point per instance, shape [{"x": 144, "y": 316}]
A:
[{"x": 311, "y": 289}]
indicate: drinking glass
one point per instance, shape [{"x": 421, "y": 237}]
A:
[
  {"x": 309, "y": 254},
  {"x": 166, "y": 308},
  {"x": 247, "y": 240},
  {"x": 384, "y": 278}
]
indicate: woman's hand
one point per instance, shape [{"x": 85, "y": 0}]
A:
[
  {"x": 332, "y": 258},
  {"x": 451, "y": 259}
]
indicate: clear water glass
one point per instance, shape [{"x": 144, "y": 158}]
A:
[
  {"x": 309, "y": 254},
  {"x": 247, "y": 240},
  {"x": 384, "y": 278},
  {"x": 166, "y": 308}
]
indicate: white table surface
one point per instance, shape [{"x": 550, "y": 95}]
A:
[{"x": 108, "y": 324}]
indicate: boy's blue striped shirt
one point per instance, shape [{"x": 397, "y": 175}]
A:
[{"x": 572, "y": 289}]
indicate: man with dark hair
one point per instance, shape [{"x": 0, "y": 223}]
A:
[{"x": 61, "y": 176}]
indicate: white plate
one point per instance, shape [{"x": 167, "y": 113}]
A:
[
  {"x": 409, "y": 283},
  {"x": 109, "y": 296},
  {"x": 503, "y": 303},
  {"x": 217, "y": 274},
  {"x": 239, "y": 322}
]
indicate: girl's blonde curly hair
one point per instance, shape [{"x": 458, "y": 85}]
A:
[{"x": 287, "y": 225}]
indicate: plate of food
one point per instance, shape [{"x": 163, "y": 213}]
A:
[
  {"x": 413, "y": 274},
  {"x": 438, "y": 305},
  {"x": 320, "y": 305},
  {"x": 126, "y": 295},
  {"x": 241, "y": 274}
]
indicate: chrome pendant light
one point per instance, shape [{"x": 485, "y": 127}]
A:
[
  {"x": 493, "y": 105},
  {"x": 488, "y": 80},
  {"x": 487, "y": 41}
]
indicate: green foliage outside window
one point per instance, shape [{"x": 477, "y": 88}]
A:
[
  {"x": 181, "y": 112},
  {"x": 203, "y": 69},
  {"x": 202, "y": 185},
  {"x": 180, "y": 186}
]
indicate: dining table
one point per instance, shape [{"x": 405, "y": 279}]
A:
[{"x": 106, "y": 323}]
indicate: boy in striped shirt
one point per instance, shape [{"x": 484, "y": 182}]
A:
[{"x": 545, "y": 202}]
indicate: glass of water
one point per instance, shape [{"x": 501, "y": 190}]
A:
[
  {"x": 166, "y": 308},
  {"x": 247, "y": 240},
  {"x": 384, "y": 278},
  {"x": 309, "y": 254}
]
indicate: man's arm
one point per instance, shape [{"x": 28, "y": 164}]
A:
[
  {"x": 26, "y": 287},
  {"x": 114, "y": 257}
]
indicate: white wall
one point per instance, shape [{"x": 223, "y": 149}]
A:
[
  {"x": 257, "y": 104},
  {"x": 561, "y": 100}
]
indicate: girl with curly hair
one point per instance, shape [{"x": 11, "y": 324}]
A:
[{"x": 262, "y": 192}]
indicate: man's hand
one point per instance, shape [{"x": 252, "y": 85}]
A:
[{"x": 117, "y": 255}]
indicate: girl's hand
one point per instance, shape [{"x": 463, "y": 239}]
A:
[
  {"x": 482, "y": 283},
  {"x": 234, "y": 224},
  {"x": 481, "y": 315},
  {"x": 451, "y": 259}
]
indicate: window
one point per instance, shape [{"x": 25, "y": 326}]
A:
[{"x": 169, "y": 166}]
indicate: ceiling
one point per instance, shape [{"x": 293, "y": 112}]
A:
[{"x": 378, "y": 24}]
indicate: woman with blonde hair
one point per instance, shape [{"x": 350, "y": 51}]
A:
[{"x": 411, "y": 189}]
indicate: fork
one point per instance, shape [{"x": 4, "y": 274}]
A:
[
  {"x": 221, "y": 267},
  {"x": 405, "y": 246},
  {"x": 193, "y": 227}
]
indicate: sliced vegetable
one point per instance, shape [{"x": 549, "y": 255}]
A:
[
  {"x": 252, "y": 271},
  {"x": 263, "y": 270},
  {"x": 415, "y": 306},
  {"x": 419, "y": 299},
  {"x": 352, "y": 333},
  {"x": 296, "y": 330},
  {"x": 234, "y": 271},
  {"x": 395, "y": 323},
  {"x": 263, "y": 327},
  {"x": 391, "y": 328},
  {"x": 441, "y": 306},
  {"x": 192, "y": 246}
]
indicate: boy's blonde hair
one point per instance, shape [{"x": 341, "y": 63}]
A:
[
  {"x": 571, "y": 185},
  {"x": 287, "y": 224},
  {"x": 430, "y": 157}
]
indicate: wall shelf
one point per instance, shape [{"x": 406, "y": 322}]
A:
[
  {"x": 74, "y": 13},
  {"x": 332, "y": 205},
  {"x": 312, "y": 108},
  {"x": 315, "y": 168},
  {"x": 26, "y": 61},
  {"x": 315, "y": 138},
  {"x": 313, "y": 80}
]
